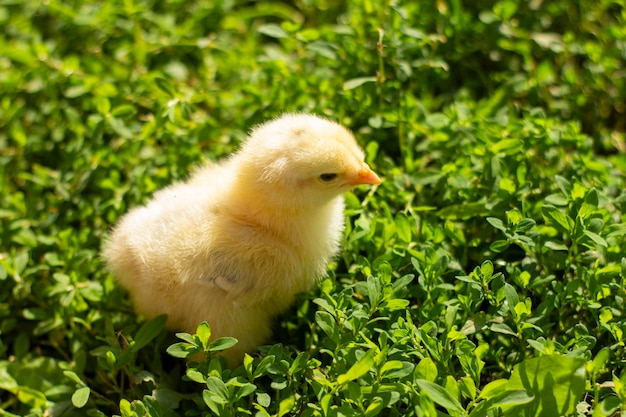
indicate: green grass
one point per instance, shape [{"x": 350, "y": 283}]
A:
[{"x": 484, "y": 277}]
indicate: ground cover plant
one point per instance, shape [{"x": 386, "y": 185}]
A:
[{"x": 483, "y": 277}]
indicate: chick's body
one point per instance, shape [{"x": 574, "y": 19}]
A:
[{"x": 235, "y": 243}]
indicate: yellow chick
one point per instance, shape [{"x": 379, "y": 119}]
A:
[{"x": 237, "y": 241}]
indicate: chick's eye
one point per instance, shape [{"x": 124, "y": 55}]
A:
[{"x": 328, "y": 177}]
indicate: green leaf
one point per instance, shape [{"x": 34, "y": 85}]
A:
[
  {"x": 125, "y": 408},
  {"x": 217, "y": 386},
  {"x": 426, "y": 369},
  {"x": 21, "y": 261},
  {"x": 592, "y": 198},
  {"x": 138, "y": 408},
  {"x": 189, "y": 338},
  {"x": 395, "y": 304},
  {"x": 148, "y": 331},
  {"x": 556, "y": 381},
  {"x": 374, "y": 289},
  {"x": 463, "y": 211},
  {"x": 596, "y": 238},
  {"x": 514, "y": 397},
  {"x": 299, "y": 363},
  {"x": 609, "y": 406},
  {"x": 375, "y": 407},
  {"x": 182, "y": 350},
  {"x": 75, "y": 91},
  {"x": 557, "y": 200},
  {"x": 245, "y": 390},
  {"x": 558, "y": 246},
  {"x": 564, "y": 185},
  {"x": 120, "y": 128},
  {"x": 495, "y": 395},
  {"x": 440, "y": 396},
  {"x": 360, "y": 368},
  {"x": 511, "y": 297},
  {"x": 273, "y": 31},
  {"x": 455, "y": 233},
  {"x": 513, "y": 217},
  {"x": 437, "y": 120},
  {"x": 123, "y": 110},
  {"x": 403, "y": 227},
  {"x": 103, "y": 105},
  {"x": 326, "y": 322},
  {"x": 92, "y": 291},
  {"x": 497, "y": 223},
  {"x": 221, "y": 344},
  {"x": 165, "y": 85},
  {"x": 507, "y": 146},
  {"x": 263, "y": 366},
  {"x": 214, "y": 401},
  {"x": 467, "y": 387},
  {"x": 402, "y": 282},
  {"x": 507, "y": 185},
  {"x": 153, "y": 406},
  {"x": 390, "y": 366},
  {"x": 525, "y": 225},
  {"x": 31, "y": 396},
  {"x": 486, "y": 270},
  {"x": 493, "y": 389},
  {"x": 72, "y": 375},
  {"x": 357, "y": 82},
  {"x": 502, "y": 328},
  {"x": 499, "y": 246},
  {"x": 558, "y": 219},
  {"x": 325, "y": 403},
  {"x": 203, "y": 333},
  {"x": 196, "y": 376},
  {"x": 599, "y": 361},
  {"x": 285, "y": 405},
  {"x": 80, "y": 397},
  {"x": 263, "y": 399}
]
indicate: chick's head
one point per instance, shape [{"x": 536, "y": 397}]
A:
[{"x": 304, "y": 156}]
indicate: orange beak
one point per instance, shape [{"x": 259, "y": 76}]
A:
[{"x": 365, "y": 176}]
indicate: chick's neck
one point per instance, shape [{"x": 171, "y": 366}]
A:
[{"x": 277, "y": 212}]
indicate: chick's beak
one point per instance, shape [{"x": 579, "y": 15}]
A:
[{"x": 365, "y": 176}]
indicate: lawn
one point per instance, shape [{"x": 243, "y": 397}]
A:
[{"x": 486, "y": 276}]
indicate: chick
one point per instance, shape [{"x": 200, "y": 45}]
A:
[{"x": 237, "y": 241}]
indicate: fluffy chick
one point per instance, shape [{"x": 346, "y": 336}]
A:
[{"x": 239, "y": 239}]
